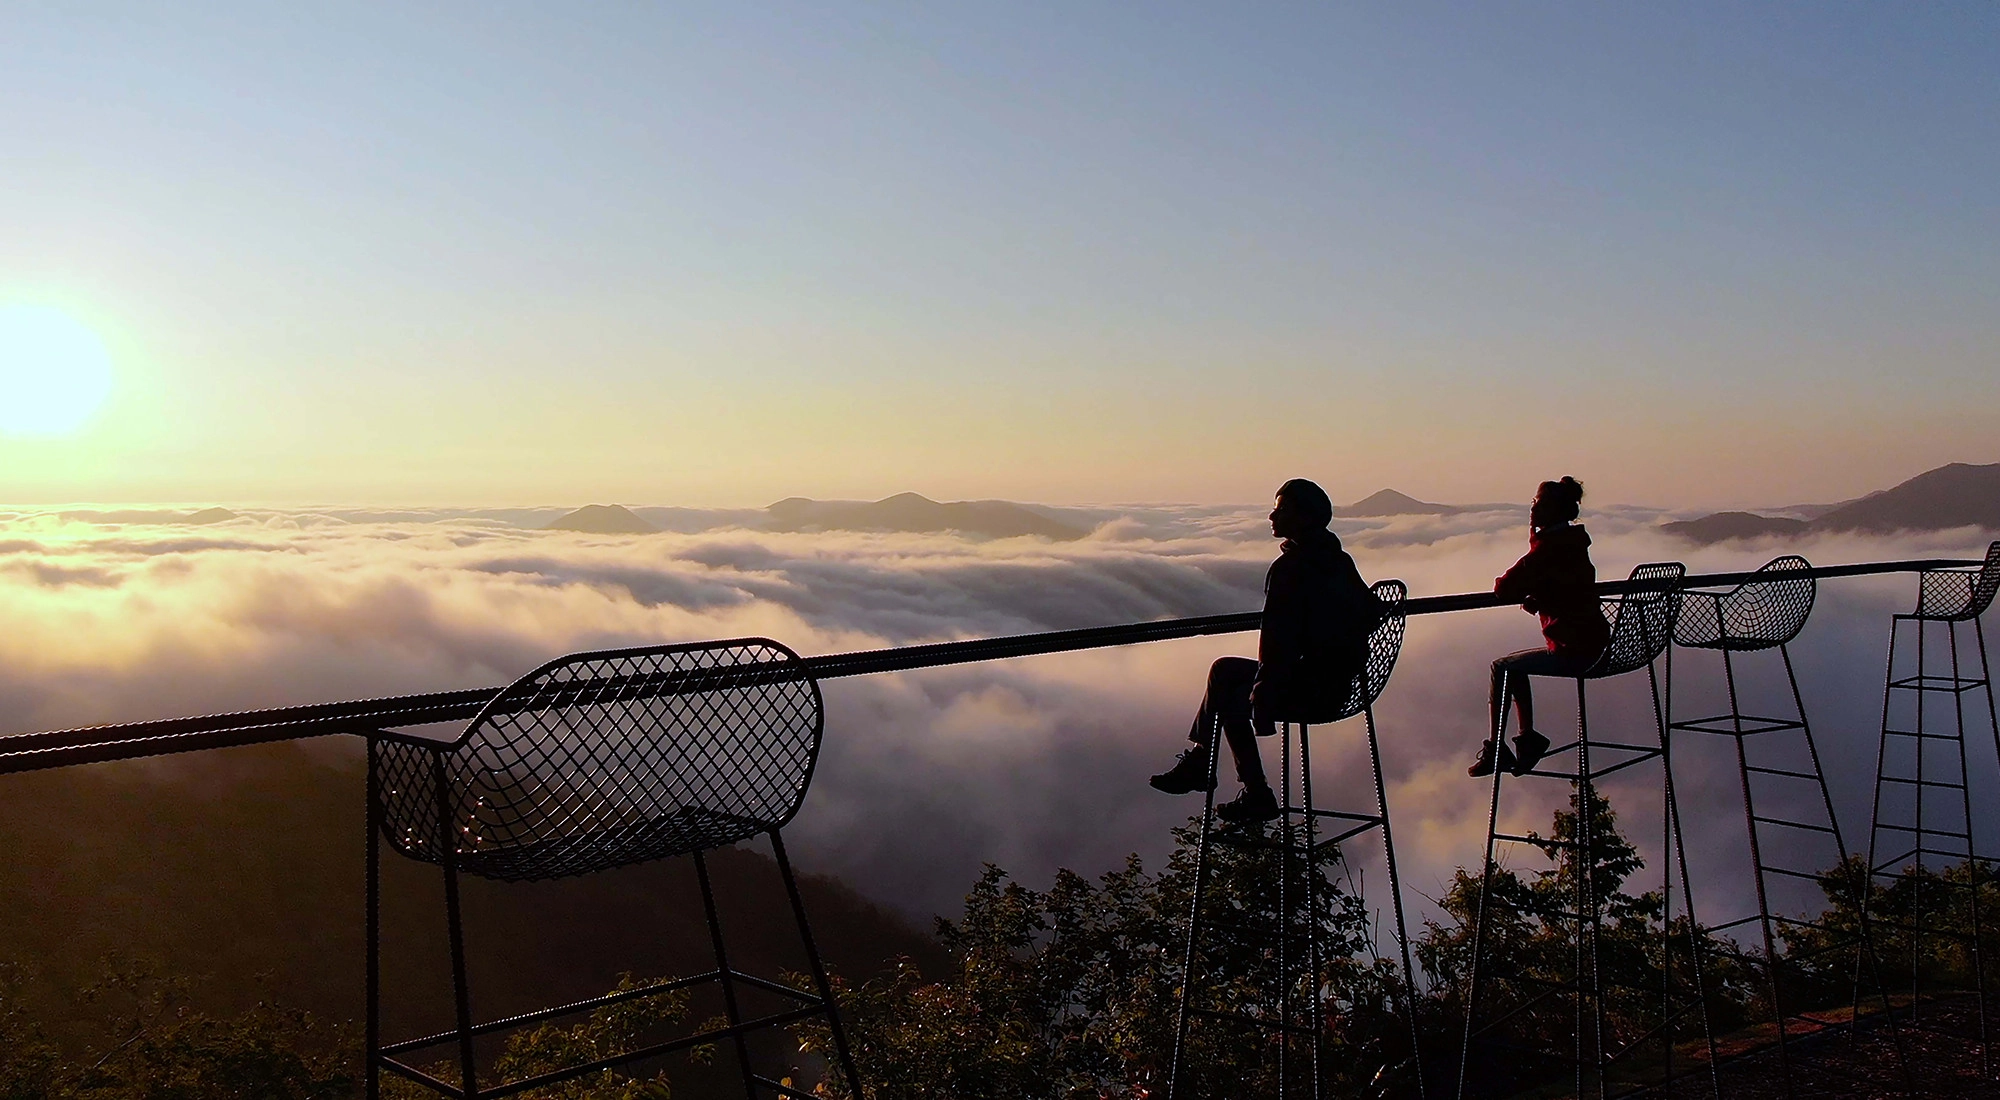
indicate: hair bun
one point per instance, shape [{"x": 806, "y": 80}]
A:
[{"x": 1572, "y": 488}]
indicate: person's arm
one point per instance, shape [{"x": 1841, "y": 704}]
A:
[
  {"x": 1519, "y": 583},
  {"x": 1282, "y": 639}
]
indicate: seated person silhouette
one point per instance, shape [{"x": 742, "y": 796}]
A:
[
  {"x": 1317, "y": 616},
  {"x": 1556, "y": 581}
]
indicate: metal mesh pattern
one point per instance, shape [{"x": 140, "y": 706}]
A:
[
  {"x": 598, "y": 760},
  {"x": 1955, "y": 595},
  {"x": 1756, "y": 614},
  {"x": 1385, "y": 643},
  {"x": 1642, "y": 620}
]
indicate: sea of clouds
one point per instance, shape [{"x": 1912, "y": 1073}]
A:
[{"x": 1032, "y": 763}]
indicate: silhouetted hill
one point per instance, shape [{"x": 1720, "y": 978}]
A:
[
  {"x": 602, "y": 519},
  {"x": 1389, "y": 502},
  {"x": 912, "y": 513},
  {"x": 151, "y": 515},
  {"x": 1723, "y": 526},
  {"x": 242, "y": 870},
  {"x": 1958, "y": 495}
]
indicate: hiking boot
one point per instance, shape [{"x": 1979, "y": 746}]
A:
[
  {"x": 1484, "y": 765},
  {"x": 1189, "y": 774},
  {"x": 1253, "y": 805},
  {"x": 1529, "y": 747}
]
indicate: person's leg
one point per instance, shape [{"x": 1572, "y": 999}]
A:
[
  {"x": 1226, "y": 704},
  {"x": 1229, "y": 681},
  {"x": 1510, "y": 677}
]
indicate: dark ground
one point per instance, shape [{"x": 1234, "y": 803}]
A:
[{"x": 1940, "y": 1057}]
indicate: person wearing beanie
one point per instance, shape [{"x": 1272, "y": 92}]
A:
[
  {"x": 1318, "y": 613},
  {"x": 1556, "y": 581}
]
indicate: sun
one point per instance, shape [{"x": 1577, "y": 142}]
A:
[{"x": 54, "y": 372}]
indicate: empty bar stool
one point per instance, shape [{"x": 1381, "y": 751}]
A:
[
  {"x": 1507, "y": 1007},
  {"x": 1787, "y": 810},
  {"x": 1923, "y": 808},
  {"x": 591, "y": 762},
  {"x": 1234, "y": 940}
]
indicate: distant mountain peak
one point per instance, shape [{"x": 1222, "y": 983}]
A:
[
  {"x": 1389, "y": 502},
  {"x": 602, "y": 519}
]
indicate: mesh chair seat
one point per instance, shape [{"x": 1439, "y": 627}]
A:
[
  {"x": 600, "y": 760},
  {"x": 1385, "y": 643},
  {"x": 1642, "y": 619},
  {"x": 1758, "y": 614},
  {"x": 1955, "y": 595}
]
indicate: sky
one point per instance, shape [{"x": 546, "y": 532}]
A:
[{"x": 719, "y": 255}]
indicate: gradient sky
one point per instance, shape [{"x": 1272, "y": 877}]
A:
[{"x": 511, "y": 253}]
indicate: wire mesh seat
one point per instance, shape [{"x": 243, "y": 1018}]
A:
[
  {"x": 1757, "y": 614},
  {"x": 601, "y": 760},
  {"x": 1286, "y": 934},
  {"x": 596, "y": 761},
  {"x": 1955, "y": 595},
  {"x": 1511, "y": 1012},
  {"x": 1641, "y": 619}
]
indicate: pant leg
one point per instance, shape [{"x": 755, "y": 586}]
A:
[
  {"x": 1227, "y": 704},
  {"x": 1515, "y": 670}
]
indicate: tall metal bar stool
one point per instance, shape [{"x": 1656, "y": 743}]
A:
[
  {"x": 591, "y": 762},
  {"x": 1929, "y": 755},
  {"x": 1759, "y": 616},
  {"x": 1507, "y": 1008},
  {"x": 1233, "y": 940}
]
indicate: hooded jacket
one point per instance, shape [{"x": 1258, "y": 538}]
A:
[
  {"x": 1318, "y": 613},
  {"x": 1556, "y": 581}
]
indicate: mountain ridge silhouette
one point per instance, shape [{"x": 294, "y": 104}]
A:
[{"x": 1957, "y": 494}]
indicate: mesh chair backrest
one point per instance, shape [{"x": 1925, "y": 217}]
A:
[
  {"x": 1385, "y": 643},
  {"x": 1957, "y": 593},
  {"x": 1642, "y": 620},
  {"x": 598, "y": 760},
  {"x": 1756, "y": 614}
]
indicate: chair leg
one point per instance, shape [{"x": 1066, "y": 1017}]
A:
[
  {"x": 1315, "y": 1002},
  {"x": 1194, "y": 920},
  {"x": 728, "y": 976},
  {"x": 842, "y": 1053},
  {"x": 1971, "y": 854},
  {"x": 455, "y": 927},
  {"x": 1676, "y": 842},
  {"x": 372, "y": 1036},
  {"x": 1867, "y": 958},
  {"x": 1396, "y": 899},
  {"x": 1285, "y": 908},
  {"x": 1586, "y": 911},
  {"x": 1479, "y": 920}
]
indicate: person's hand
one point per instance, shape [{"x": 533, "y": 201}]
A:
[
  {"x": 1530, "y": 605},
  {"x": 1260, "y": 711}
]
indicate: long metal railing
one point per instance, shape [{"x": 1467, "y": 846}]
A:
[{"x": 363, "y": 717}]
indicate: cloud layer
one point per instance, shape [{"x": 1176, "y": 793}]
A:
[{"x": 1032, "y": 763}]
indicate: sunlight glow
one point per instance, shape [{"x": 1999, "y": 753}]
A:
[{"x": 54, "y": 372}]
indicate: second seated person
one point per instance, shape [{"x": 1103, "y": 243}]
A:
[
  {"x": 1318, "y": 613},
  {"x": 1556, "y": 581}
]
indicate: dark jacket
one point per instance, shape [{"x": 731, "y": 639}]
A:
[
  {"x": 1556, "y": 580},
  {"x": 1318, "y": 613}
]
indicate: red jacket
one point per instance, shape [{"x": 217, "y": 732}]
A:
[{"x": 1555, "y": 580}]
